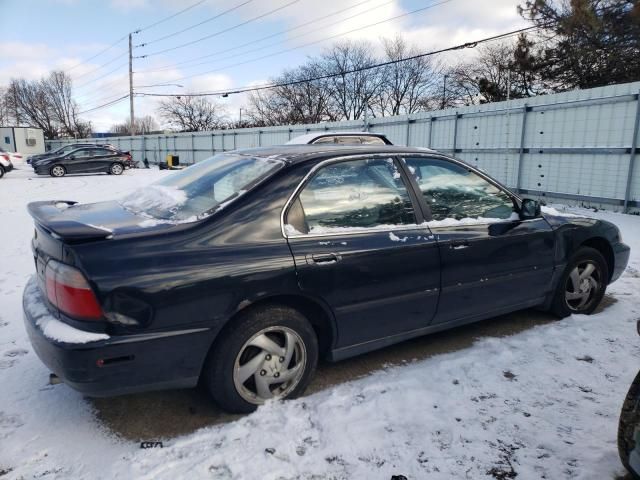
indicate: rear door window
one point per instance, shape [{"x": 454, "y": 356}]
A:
[{"x": 355, "y": 194}]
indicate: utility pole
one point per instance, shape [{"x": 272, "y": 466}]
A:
[
  {"x": 444, "y": 91},
  {"x": 132, "y": 128}
]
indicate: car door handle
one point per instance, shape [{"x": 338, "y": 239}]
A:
[
  {"x": 459, "y": 244},
  {"x": 323, "y": 258}
]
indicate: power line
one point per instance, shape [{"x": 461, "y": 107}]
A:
[
  {"x": 226, "y": 93},
  {"x": 102, "y": 76},
  {"x": 108, "y": 104},
  {"x": 171, "y": 67},
  {"x": 97, "y": 54},
  {"x": 314, "y": 42},
  {"x": 99, "y": 67},
  {"x": 98, "y": 99},
  {"x": 193, "y": 26},
  {"x": 219, "y": 32},
  {"x": 124, "y": 38},
  {"x": 169, "y": 17}
]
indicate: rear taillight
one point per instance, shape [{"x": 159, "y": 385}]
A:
[
  {"x": 69, "y": 291},
  {"x": 6, "y": 157}
]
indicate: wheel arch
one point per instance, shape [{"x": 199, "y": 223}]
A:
[
  {"x": 318, "y": 314},
  {"x": 606, "y": 250}
]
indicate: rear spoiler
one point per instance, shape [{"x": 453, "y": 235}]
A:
[{"x": 47, "y": 215}]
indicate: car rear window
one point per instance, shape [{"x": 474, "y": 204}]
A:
[
  {"x": 350, "y": 140},
  {"x": 200, "y": 189}
]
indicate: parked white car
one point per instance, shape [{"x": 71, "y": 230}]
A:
[
  {"x": 341, "y": 138},
  {"x": 6, "y": 165},
  {"x": 14, "y": 157}
]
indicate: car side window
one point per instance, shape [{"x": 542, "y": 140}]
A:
[
  {"x": 83, "y": 152},
  {"x": 454, "y": 192},
  {"x": 325, "y": 140},
  {"x": 372, "y": 140},
  {"x": 355, "y": 194}
]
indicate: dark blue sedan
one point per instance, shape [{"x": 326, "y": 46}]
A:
[{"x": 241, "y": 271}]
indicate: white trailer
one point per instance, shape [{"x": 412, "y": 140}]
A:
[{"x": 25, "y": 140}]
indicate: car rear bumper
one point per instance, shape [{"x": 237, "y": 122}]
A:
[
  {"x": 119, "y": 364},
  {"x": 621, "y": 252}
]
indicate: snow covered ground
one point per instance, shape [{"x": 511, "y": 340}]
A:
[{"x": 543, "y": 403}]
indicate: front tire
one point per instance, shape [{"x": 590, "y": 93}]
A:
[
  {"x": 116, "y": 169},
  {"x": 267, "y": 352},
  {"x": 582, "y": 285},
  {"x": 629, "y": 428},
  {"x": 58, "y": 171}
]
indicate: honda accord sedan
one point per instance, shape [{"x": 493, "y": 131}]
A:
[{"x": 241, "y": 271}]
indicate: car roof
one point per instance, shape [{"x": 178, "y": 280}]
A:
[
  {"x": 300, "y": 153},
  {"x": 310, "y": 137},
  {"x": 83, "y": 145}
]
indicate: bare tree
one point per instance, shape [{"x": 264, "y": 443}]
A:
[
  {"x": 500, "y": 71},
  {"x": 406, "y": 84},
  {"x": 352, "y": 89},
  {"x": 296, "y": 100},
  {"x": 46, "y": 103},
  {"x": 5, "y": 114},
  {"x": 143, "y": 125},
  {"x": 191, "y": 114},
  {"x": 31, "y": 105},
  {"x": 58, "y": 89}
]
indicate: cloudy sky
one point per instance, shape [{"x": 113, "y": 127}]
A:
[{"x": 215, "y": 44}]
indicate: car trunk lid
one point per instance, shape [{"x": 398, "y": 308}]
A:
[{"x": 73, "y": 223}]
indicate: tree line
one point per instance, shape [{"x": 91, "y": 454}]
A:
[{"x": 578, "y": 44}]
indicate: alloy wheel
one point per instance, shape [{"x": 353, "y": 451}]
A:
[
  {"x": 57, "y": 171},
  {"x": 270, "y": 364},
  {"x": 116, "y": 169},
  {"x": 583, "y": 285}
]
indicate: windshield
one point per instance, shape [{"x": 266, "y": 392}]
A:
[{"x": 200, "y": 189}]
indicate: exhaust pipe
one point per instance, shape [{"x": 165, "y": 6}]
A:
[{"x": 54, "y": 379}]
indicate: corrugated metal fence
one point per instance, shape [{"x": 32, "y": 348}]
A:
[{"x": 577, "y": 146}]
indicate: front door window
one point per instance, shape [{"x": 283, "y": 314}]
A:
[{"x": 454, "y": 192}]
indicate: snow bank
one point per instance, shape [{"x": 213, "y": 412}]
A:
[
  {"x": 51, "y": 326},
  {"x": 543, "y": 403}
]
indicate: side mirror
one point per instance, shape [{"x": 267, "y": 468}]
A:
[
  {"x": 529, "y": 209},
  {"x": 71, "y": 157}
]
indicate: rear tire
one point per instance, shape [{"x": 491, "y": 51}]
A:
[
  {"x": 582, "y": 285},
  {"x": 58, "y": 171},
  {"x": 629, "y": 423},
  {"x": 1, "y": 171},
  {"x": 255, "y": 353},
  {"x": 116, "y": 169}
]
